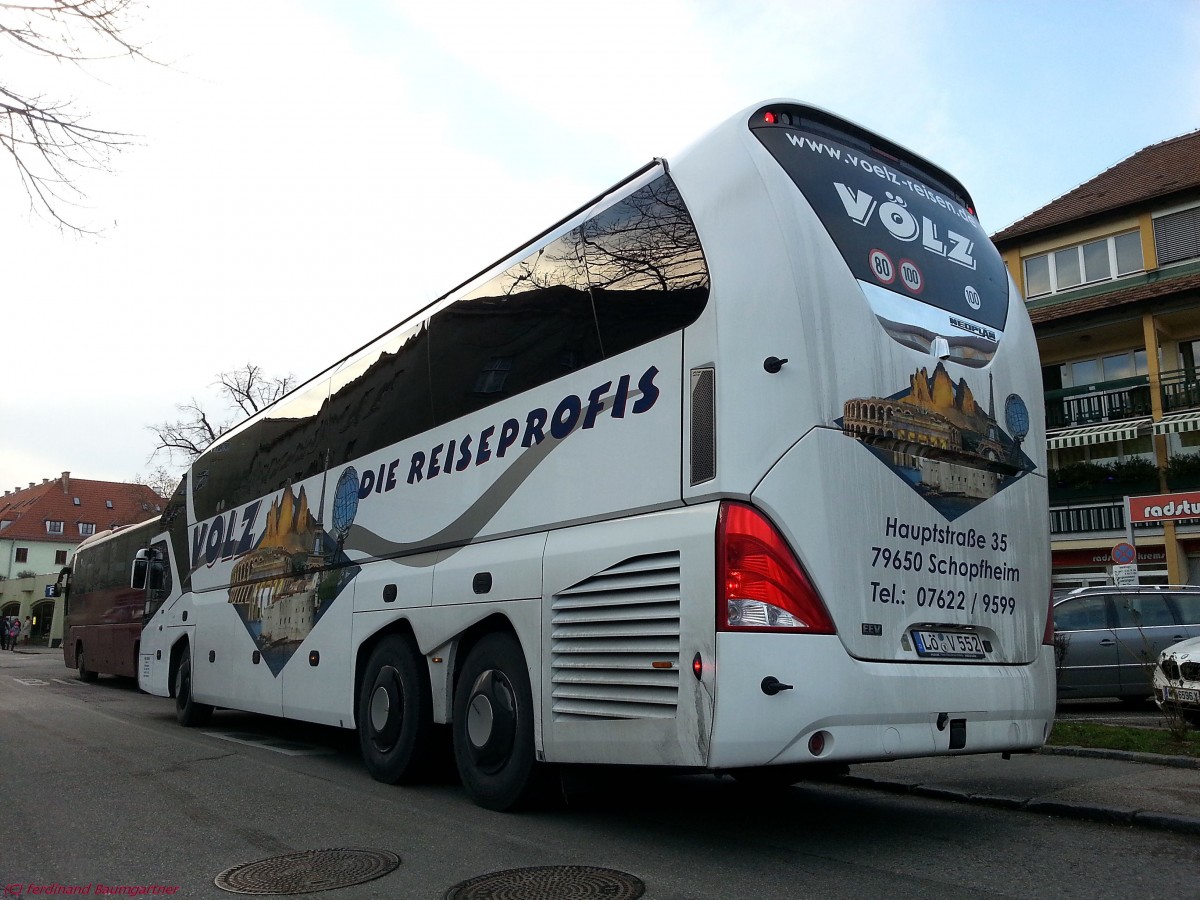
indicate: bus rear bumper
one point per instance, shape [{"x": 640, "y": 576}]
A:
[{"x": 840, "y": 710}]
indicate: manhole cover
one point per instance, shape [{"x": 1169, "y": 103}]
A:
[
  {"x": 550, "y": 883},
  {"x": 307, "y": 871}
]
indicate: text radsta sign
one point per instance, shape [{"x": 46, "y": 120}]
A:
[{"x": 1160, "y": 507}]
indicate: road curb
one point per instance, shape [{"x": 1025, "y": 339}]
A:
[
  {"x": 1178, "y": 762},
  {"x": 1065, "y": 808}
]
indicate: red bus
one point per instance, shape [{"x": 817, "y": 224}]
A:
[{"x": 111, "y": 586}]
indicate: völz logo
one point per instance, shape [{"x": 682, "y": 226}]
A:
[{"x": 903, "y": 225}]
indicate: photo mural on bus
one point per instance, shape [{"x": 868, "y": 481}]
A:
[
  {"x": 942, "y": 441},
  {"x": 295, "y": 572}
]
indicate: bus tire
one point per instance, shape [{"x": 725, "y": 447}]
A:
[
  {"x": 188, "y": 712},
  {"x": 493, "y": 725},
  {"x": 395, "y": 713},
  {"x": 85, "y": 674}
]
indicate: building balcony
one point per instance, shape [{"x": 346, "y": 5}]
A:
[
  {"x": 1180, "y": 391},
  {"x": 1099, "y": 403}
]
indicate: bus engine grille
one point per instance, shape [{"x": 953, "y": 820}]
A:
[{"x": 615, "y": 642}]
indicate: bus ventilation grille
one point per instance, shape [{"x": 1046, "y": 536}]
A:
[
  {"x": 615, "y": 642},
  {"x": 704, "y": 425}
]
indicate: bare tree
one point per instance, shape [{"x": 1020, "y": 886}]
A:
[
  {"x": 160, "y": 479},
  {"x": 247, "y": 390},
  {"x": 48, "y": 139}
]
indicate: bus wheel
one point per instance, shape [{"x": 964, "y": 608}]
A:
[
  {"x": 493, "y": 725},
  {"x": 85, "y": 674},
  {"x": 395, "y": 713},
  {"x": 188, "y": 712}
]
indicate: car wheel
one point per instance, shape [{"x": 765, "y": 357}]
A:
[
  {"x": 395, "y": 713},
  {"x": 493, "y": 725},
  {"x": 188, "y": 712}
]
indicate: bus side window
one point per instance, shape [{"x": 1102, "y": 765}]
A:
[
  {"x": 646, "y": 269},
  {"x": 525, "y": 327}
]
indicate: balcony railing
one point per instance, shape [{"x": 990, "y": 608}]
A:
[
  {"x": 1122, "y": 398},
  {"x": 1180, "y": 390},
  {"x": 1093, "y": 404},
  {"x": 1093, "y": 517}
]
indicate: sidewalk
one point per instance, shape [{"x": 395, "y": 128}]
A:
[{"x": 1100, "y": 785}]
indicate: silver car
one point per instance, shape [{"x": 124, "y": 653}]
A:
[{"x": 1107, "y": 639}]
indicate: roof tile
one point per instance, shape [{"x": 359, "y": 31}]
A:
[
  {"x": 28, "y": 510},
  {"x": 1153, "y": 172}
]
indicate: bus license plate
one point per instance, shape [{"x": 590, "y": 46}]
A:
[{"x": 948, "y": 644}]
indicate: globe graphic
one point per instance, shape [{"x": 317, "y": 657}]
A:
[
  {"x": 1016, "y": 414},
  {"x": 345, "y": 501}
]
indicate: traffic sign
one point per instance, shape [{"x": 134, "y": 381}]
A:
[{"x": 1123, "y": 554}]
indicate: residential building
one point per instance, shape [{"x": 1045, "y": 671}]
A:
[
  {"x": 39, "y": 527},
  {"x": 1111, "y": 273}
]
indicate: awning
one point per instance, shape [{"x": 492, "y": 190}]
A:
[
  {"x": 1177, "y": 422},
  {"x": 1095, "y": 434}
]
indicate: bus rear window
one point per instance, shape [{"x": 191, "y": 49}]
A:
[{"x": 903, "y": 231}]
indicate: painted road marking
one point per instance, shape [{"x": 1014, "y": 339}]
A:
[{"x": 275, "y": 745}]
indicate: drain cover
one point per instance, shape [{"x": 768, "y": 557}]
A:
[
  {"x": 307, "y": 871},
  {"x": 550, "y": 883}
]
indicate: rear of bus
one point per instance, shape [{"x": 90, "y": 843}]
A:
[{"x": 866, "y": 414}]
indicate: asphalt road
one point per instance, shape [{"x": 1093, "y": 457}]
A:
[{"x": 99, "y": 786}]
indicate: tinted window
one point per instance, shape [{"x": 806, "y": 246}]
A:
[
  {"x": 1188, "y": 607},
  {"x": 1142, "y": 611},
  {"x": 1081, "y": 614},
  {"x": 528, "y": 325},
  {"x": 108, "y": 565},
  {"x": 631, "y": 274},
  {"x": 881, "y": 210},
  {"x": 645, "y": 267},
  {"x": 282, "y": 447},
  {"x": 382, "y": 396}
]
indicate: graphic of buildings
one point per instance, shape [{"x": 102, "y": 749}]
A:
[
  {"x": 939, "y": 439},
  {"x": 276, "y": 592}
]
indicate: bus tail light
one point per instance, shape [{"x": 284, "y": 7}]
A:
[
  {"x": 1048, "y": 634},
  {"x": 761, "y": 585}
]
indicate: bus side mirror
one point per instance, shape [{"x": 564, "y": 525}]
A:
[
  {"x": 137, "y": 578},
  {"x": 147, "y": 571}
]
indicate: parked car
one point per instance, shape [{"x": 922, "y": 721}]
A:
[
  {"x": 1107, "y": 640},
  {"x": 1177, "y": 680}
]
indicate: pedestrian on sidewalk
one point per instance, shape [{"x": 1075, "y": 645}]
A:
[
  {"x": 27, "y": 631},
  {"x": 3, "y": 632},
  {"x": 14, "y": 632}
]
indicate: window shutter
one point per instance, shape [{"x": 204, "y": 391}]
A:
[{"x": 1177, "y": 236}]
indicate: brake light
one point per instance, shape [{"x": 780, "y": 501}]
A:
[
  {"x": 761, "y": 585},
  {"x": 1048, "y": 634}
]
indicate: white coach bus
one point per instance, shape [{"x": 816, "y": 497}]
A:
[{"x": 740, "y": 468}]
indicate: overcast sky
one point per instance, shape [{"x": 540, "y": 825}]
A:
[{"x": 308, "y": 173}]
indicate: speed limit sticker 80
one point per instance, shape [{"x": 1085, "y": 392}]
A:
[{"x": 882, "y": 268}]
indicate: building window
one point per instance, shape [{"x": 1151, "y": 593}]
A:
[
  {"x": 1177, "y": 236},
  {"x": 491, "y": 378},
  {"x": 108, "y": 503},
  {"x": 75, "y": 501},
  {"x": 54, "y": 527},
  {"x": 22, "y": 554},
  {"x": 87, "y": 528},
  {"x": 1083, "y": 372},
  {"x": 1087, "y": 263},
  {"x": 60, "y": 557}
]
